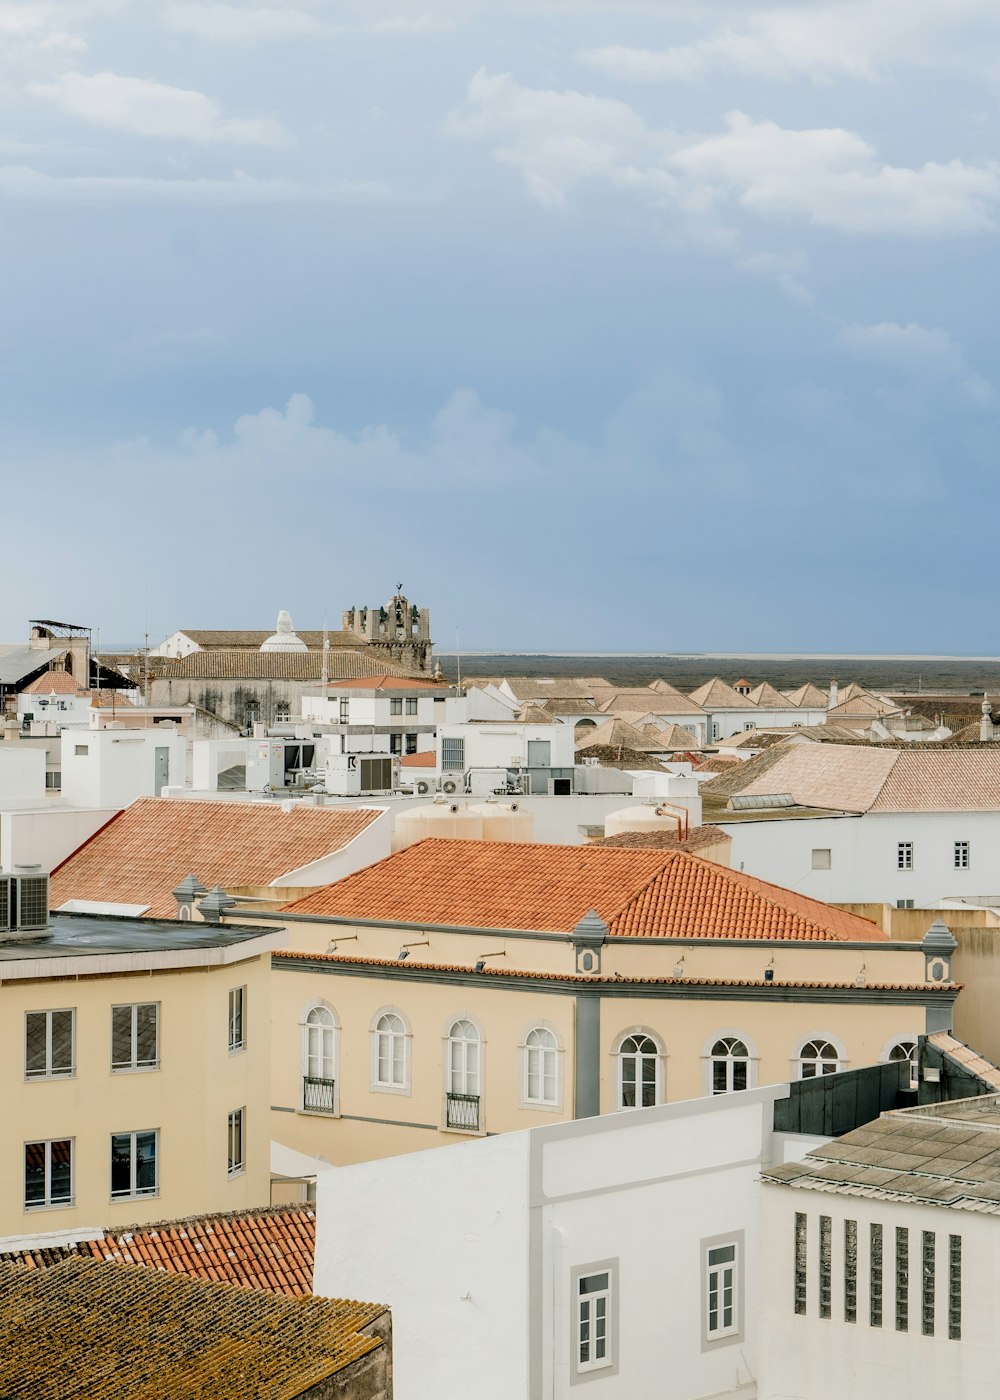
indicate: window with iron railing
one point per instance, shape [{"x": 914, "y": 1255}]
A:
[{"x": 463, "y": 1112}]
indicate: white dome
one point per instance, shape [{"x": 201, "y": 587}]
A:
[{"x": 285, "y": 638}]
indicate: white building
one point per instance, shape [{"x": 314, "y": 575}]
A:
[
  {"x": 880, "y": 1261},
  {"x": 597, "y": 1257},
  {"x": 481, "y": 757},
  {"x": 386, "y": 714},
  {"x": 855, "y": 825},
  {"x": 111, "y": 767}
]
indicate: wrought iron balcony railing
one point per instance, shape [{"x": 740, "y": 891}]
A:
[
  {"x": 463, "y": 1112},
  {"x": 317, "y": 1095}
]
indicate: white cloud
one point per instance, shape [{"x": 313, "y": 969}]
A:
[
  {"x": 854, "y": 39},
  {"x": 146, "y": 108},
  {"x": 927, "y": 354},
  {"x": 824, "y": 176},
  {"x": 24, "y": 183},
  {"x": 239, "y": 23}
]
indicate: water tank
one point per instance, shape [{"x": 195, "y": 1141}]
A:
[
  {"x": 650, "y": 816},
  {"x": 443, "y": 818},
  {"x": 505, "y": 821}
]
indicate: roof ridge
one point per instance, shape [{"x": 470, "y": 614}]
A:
[{"x": 637, "y": 894}]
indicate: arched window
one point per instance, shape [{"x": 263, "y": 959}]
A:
[
  {"x": 319, "y": 1061},
  {"x": 818, "y": 1057},
  {"x": 541, "y": 1067},
  {"x": 730, "y": 1065},
  {"x": 639, "y": 1071},
  {"x": 390, "y": 1051},
  {"x": 905, "y": 1052},
  {"x": 462, "y": 1107}
]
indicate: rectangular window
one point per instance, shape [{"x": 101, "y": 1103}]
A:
[
  {"x": 49, "y": 1044},
  {"x": 395, "y": 743},
  {"x": 955, "y": 1287},
  {"x": 81, "y": 750},
  {"x": 821, "y": 859},
  {"x": 875, "y": 1277},
  {"x": 396, "y": 705},
  {"x": 927, "y": 1283},
  {"x": 850, "y": 1271},
  {"x": 411, "y": 705},
  {"x": 721, "y": 1300},
  {"x": 593, "y": 1321},
  {"x": 48, "y": 1173},
  {"x": 800, "y": 1262},
  {"x": 904, "y": 903},
  {"x": 825, "y": 1265},
  {"x": 135, "y": 1039},
  {"x": 133, "y": 1164},
  {"x": 904, "y": 855},
  {"x": 902, "y": 1278},
  {"x": 345, "y": 708},
  {"x": 237, "y": 1018},
  {"x": 53, "y": 781},
  {"x": 411, "y": 743},
  {"x": 452, "y": 754},
  {"x": 961, "y": 855},
  {"x": 236, "y": 1159}
]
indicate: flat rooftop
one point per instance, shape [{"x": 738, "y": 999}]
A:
[{"x": 90, "y": 935}]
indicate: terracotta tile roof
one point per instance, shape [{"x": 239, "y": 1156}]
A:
[
  {"x": 861, "y": 706},
  {"x": 272, "y": 1249},
  {"x": 53, "y": 682},
  {"x": 545, "y": 687},
  {"x": 550, "y": 888},
  {"x": 866, "y": 778},
  {"x": 618, "y": 756},
  {"x": 717, "y": 695},
  {"x": 676, "y": 738},
  {"x": 808, "y": 697},
  {"x": 247, "y": 639},
  {"x": 615, "y": 733},
  {"x": 537, "y": 714},
  {"x": 389, "y": 682},
  {"x": 766, "y": 695},
  {"x": 231, "y": 663},
  {"x": 566, "y": 706},
  {"x": 83, "y": 1329},
  {"x": 142, "y": 853},
  {"x": 648, "y": 700},
  {"x": 419, "y": 760},
  {"x": 667, "y": 840}
]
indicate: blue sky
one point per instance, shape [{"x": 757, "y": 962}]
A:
[{"x": 613, "y": 325}]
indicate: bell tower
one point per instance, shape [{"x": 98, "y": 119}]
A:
[{"x": 400, "y": 632}]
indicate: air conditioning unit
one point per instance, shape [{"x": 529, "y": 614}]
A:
[
  {"x": 24, "y": 903},
  {"x": 451, "y": 783}
]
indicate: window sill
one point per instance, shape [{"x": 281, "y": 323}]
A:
[
  {"x": 50, "y": 1078},
  {"x": 135, "y": 1196},
  {"x": 237, "y": 1049},
  {"x": 231, "y": 1175},
  {"x": 464, "y": 1132},
  {"x": 317, "y": 1113},
  {"x": 135, "y": 1069},
  {"x": 532, "y": 1107},
  {"x": 49, "y": 1205},
  {"x": 402, "y": 1090}
]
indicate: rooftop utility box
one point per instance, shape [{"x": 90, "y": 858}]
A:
[
  {"x": 24, "y": 902},
  {"x": 358, "y": 774},
  {"x": 275, "y": 764}
]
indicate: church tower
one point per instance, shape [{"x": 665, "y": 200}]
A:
[{"x": 400, "y": 632}]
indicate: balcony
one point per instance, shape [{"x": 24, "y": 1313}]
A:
[
  {"x": 317, "y": 1095},
  {"x": 463, "y": 1112}
]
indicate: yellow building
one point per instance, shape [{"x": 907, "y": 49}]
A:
[
  {"x": 460, "y": 987},
  {"x": 135, "y": 1056}
]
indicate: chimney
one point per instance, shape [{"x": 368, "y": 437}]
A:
[{"x": 834, "y": 694}]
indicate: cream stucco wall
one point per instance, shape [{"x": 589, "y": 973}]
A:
[{"x": 187, "y": 1098}]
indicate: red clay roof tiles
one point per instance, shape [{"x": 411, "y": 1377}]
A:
[
  {"x": 142, "y": 853},
  {"x": 642, "y": 893}
]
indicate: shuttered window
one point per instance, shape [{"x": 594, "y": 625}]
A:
[
  {"x": 135, "y": 1041},
  {"x": 48, "y": 1044}
]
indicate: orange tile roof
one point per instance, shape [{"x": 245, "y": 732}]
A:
[
  {"x": 272, "y": 1249},
  {"x": 142, "y": 853},
  {"x": 419, "y": 760},
  {"x": 641, "y": 893},
  {"x": 49, "y": 682}
]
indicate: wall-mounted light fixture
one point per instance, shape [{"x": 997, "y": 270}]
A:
[
  {"x": 331, "y": 947},
  {"x": 404, "y": 951},
  {"x": 481, "y": 961}
]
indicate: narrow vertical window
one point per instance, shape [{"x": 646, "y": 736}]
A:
[
  {"x": 876, "y": 1276},
  {"x": 902, "y": 1278},
  {"x": 825, "y": 1265},
  {"x": 955, "y": 1287},
  {"x": 721, "y": 1301},
  {"x": 541, "y": 1058},
  {"x": 236, "y": 1134},
  {"x": 134, "y": 1164},
  {"x": 850, "y": 1271},
  {"x": 904, "y": 855},
  {"x": 800, "y": 1262},
  {"x": 639, "y": 1072},
  {"x": 927, "y": 1283},
  {"x": 593, "y": 1319},
  {"x": 237, "y": 1019},
  {"x": 961, "y": 855},
  {"x": 390, "y": 1051}
]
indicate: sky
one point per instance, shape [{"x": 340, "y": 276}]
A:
[{"x": 610, "y": 324}]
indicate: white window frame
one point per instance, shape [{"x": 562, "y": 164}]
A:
[
  {"x": 379, "y": 1085},
  {"x": 410, "y": 707},
  {"x": 237, "y": 996},
  {"x": 904, "y": 855},
  {"x": 826, "y": 851},
  {"x": 897, "y": 1042},
  {"x": 133, "y": 1067},
  {"x": 236, "y": 1138},
  {"x": 553, "y": 1054},
  {"x": 729, "y": 1037},
  {"x": 962, "y": 855},
  {"x": 48, "y": 1072},
  {"x": 133, "y": 1194},
  {"x": 659, "y": 1058},
  {"x": 306, "y": 1058},
  {"x": 344, "y": 710},
  {"x": 48, "y": 1203},
  {"x": 714, "y": 1274},
  {"x": 582, "y": 1312},
  {"x": 799, "y": 1060},
  {"x": 461, "y": 1083}
]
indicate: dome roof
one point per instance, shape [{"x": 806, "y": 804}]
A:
[{"x": 285, "y": 638}]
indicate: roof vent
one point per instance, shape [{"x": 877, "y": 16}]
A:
[
  {"x": 24, "y": 903},
  {"x": 754, "y": 802}
]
